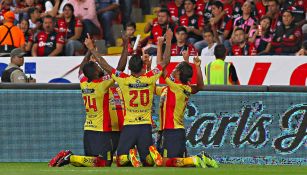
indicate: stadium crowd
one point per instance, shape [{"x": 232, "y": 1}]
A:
[{"x": 245, "y": 27}]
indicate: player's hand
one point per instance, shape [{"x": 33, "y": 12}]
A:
[
  {"x": 160, "y": 40},
  {"x": 89, "y": 42},
  {"x": 300, "y": 53},
  {"x": 185, "y": 55},
  {"x": 197, "y": 61},
  {"x": 169, "y": 35}
]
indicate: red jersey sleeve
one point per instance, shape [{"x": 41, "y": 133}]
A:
[
  {"x": 78, "y": 23},
  {"x": 60, "y": 39}
]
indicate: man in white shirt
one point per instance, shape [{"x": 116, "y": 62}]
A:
[{"x": 209, "y": 38}]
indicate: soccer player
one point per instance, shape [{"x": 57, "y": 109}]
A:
[
  {"x": 173, "y": 101},
  {"x": 104, "y": 115},
  {"x": 138, "y": 91}
]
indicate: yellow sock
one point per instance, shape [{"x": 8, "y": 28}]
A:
[
  {"x": 82, "y": 161},
  {"x": 188, "y": 161},
  {"x": 149, "y": 160},
  {"x": 123, "y": 160}
]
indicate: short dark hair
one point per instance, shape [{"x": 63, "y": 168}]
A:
[
  {"x": 208, "y": 30},
  {"x": 218, "y": 4},
  {"x": 239, "y": 28},
  {"x": 193, "y": 1},
  {"x": 69, "y": 5},
  {"x": 276, "y": 1},
  {"x": 181, "y": 29},
  {"x": 220, "y": 51},
  {"x": 164, "y": 10},
  {"x": 49, "y": 17},
  {"x": 289, "y": 11},
  {"x": 135, "y": 64},
  {"x": 89, "y": 70},
  {"x": 130, "y": 24},
  {"x": 185, "y": 72}
]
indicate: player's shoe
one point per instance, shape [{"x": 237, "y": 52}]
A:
[
  {"x": 156, "y": 156},
  {"x": 65, "y": 159},
  {"x": 133, "y": 157},
  {"x": 54, "y": 161},
  {"x": 198, "y": 162},
  {"x": 208, "y": 160}
]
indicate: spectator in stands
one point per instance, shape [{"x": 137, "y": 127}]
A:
[
  {"x": 246, "y": 21},
  {"x": 48, "y": 42},
  {"x": 209, "y": 37},
  {"x": 130, "y": 29},
  {"x": 13, "y": 73},
  {"x": 288, "y": 37},
  {"x": 71, "y": 28},
  {"x": 192, "y": 22},
  {"x": 28, "y": 34},
  {"x": 261, "y": 8},
  {"x": 298, "y": 8},
  {"x": 242, "y": 46},
  {"x": 106, "y": 13},
  {"x": 303, "y": 51},
  {"x": 23, "y": 9},
  {"x": 261, "y": 36},
  {"x": 176, "y": 9},
  {"x": 182, "y": 44},
  {"x": 85, "y": 10},
  {"x": 203, "y": 8},
  {"x": 221, "y": 22},
  {"x": 35, "y": 23},
  {"x": 160, "y": 28},
  {"x": 219, "y": 72},
  {"x": 274, "y": 13},
  {"x": 233, "y": 8},
  {"x": 10, "y": 35}
]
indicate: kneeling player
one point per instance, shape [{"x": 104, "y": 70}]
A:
[
  {"x": 173, "y": 101},
  {"x": 104, "y": 116}
]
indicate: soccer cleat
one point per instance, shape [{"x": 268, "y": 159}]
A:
[
  {"x": 134, "y": 159},
  {"x": 54, "y": 161},
  {"x": 65, "y": 159},
  {"x": 198, "y": 162},
  {"x": 156, "y": 156},
  {"x": 208, "y": 160}
]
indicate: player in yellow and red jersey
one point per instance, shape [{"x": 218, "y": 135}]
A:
[
  {"x": 104, "y": 115},
  {"x": 173, "y": 102},
  {"x": 138, "y": 89}
]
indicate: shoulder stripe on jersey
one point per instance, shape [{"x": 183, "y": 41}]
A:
[{"x": 106, "y": 114}]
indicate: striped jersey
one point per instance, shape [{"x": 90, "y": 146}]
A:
[
  {"x": 103, "y": 104},
  {"x": 138, "y": 95},
  {"x": 173, "y": 101}
]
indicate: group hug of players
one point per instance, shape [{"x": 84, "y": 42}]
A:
[{"x": 118, "y": 117}]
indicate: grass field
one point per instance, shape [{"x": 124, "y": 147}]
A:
[{"x": 43, "y": 169}]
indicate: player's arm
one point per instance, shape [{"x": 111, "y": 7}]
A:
[
  {"x": 124, "y": 56},
  {"x": 167, "y": 51},
  {"x": 101, "y": 61},
  {"x": 85, "y": 60},
  {"x": 200, "y": 83}
]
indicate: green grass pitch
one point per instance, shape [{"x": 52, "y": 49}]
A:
[{"x": 43, "y": 169}]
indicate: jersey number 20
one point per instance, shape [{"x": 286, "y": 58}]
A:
[{"x": 144, "y": 97}]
